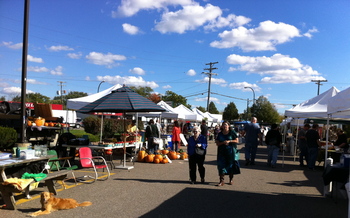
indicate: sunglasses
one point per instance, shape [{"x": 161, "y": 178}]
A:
[{"x": 194, "y": 131}]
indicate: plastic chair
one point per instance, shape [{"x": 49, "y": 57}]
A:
[
  {"x": 88, "y": 161},
  {"x": 54, "y": 165}
]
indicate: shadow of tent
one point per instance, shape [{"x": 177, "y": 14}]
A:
[{"x": 195, "y": 202}]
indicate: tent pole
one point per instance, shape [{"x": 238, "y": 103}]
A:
[
  {"x": 296, "y": 141},
  {"x": 123, "y": 165},
  {"x": 101, "y": 128}
]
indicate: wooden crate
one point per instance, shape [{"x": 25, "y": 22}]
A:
[{"x": 43, "y": 110}]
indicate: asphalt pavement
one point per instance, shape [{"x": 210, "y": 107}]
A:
[{"x": 163, "y": 190}]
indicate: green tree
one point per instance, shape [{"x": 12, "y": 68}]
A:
[
  {"x": 201, "y": 109},
  {"x": 230, "y": 112},
  {"x": 2, "y": 98},
  {"x": 212, "y": 108},
  {"x": 176, "y": 99},
  {"x": 70, "y": 95},
  {"x": 33, "y": 97},
  {"x": 143, "y": 91},
  {"x": 265, "y": 112}
]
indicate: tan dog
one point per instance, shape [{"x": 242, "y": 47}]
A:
[{"x": 49, "y": 203}]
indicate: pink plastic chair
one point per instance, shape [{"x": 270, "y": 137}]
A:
[{"x": 87, "y": 161}]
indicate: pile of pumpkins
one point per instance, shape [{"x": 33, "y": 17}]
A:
[
  {"x": 41, "y": 122},
  {"x": 161, "y": 156}
]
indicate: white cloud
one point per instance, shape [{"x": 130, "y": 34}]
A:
[
  {"x": 129, "y": 8},
  {"x": 87, "y": 78},
  {"x": 215, "y": 81},
  {"x": 191, "y": 72},
  {"x": 75, "y": 55},
  {"x": 14, "y": 90},
  {"x": 167, "y": 87},
  {"x": 189, "y": 18},
  {"x": 263, "y": 38},
  {"x": 57, "y": 71},
  {"x": 34, "y": 59},
  {"x": 130, "y": 29},
  {"x": 128, "y": 80},
  {"x": 37, "y": 69},
  {"x": 241, "y": 86},
  {"x": 230, "y": 21},
  {"x": 33, "y": 81},
  {"x": 310, "y": 31},
  {"x": 12, "y": 46},
  {"x": 107, "y": 60},
  {"x": 137, "y": 70},
  {"x": 60, "y": 48},
  {"x": 204, "y": 99},
  {"x": 279, "y": 68}
]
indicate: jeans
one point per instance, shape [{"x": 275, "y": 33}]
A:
[
  {"x": 175, "y": 146},
  {"x": 272, "y": 154},
  {"x": 303, "y": 154},
  {"x": 250, "y": 151},
  {"x": 313, "y": 153}
]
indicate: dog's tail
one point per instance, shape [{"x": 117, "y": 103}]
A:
[{"x": 85, "y": 204}]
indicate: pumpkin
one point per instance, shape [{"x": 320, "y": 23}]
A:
[
  {"x": 141, "y": 156},
  {"x": 157, "y": 161},
  {"x": 51, "y": 124},
  {"x": 39, "y": 121},
  {"x": 164, "y": 161},
  {"x": 46, "y": 124},
  {"x": 183, "y": 156},
  {"x": 29, "y": 123},
  {"x": 149, "y": 158},
  {"x": 165, "y": 151},
  {"x": 159, "y": 156},
  {"x": 172, "y": 155},
  {"x": 108, "y": 152}
]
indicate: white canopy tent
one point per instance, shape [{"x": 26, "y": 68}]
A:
[
  {"x": 77, "y": 103},
  {"x": 188, "y": 114},
  {"x": 339, "y": 108},
  {"x": 314, "y": 107},
  {"x": 168, "y": 114},
  {"x": 212, "y": 117},
  {"x": 202, "y": 115}
]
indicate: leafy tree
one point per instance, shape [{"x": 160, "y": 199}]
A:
[
  {"x": 212, "y": 108},
  {"x": 143, "y": 91},
  {"x": 265, "y": 112},
  {"x": 230, "y": 112},
  {"x": 70, "y": 95},
  {"x": 33, "y": 97},
  {"x": 2, "y": 98},
  {"x": 176, "y": 99},
  {"x": 201, "y": 109}
]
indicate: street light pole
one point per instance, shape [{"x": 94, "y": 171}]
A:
[
  {"x": 248, "y": 87},
  {"x": 98, "y": 89}
]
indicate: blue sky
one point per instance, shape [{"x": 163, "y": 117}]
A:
[{"x": 275, "y": 47}]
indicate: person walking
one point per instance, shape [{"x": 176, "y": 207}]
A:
[
  {"x": 151, "y": 132},
  {"x": 226, "y": 157},
  {"x": 204, "y": 129},
  {"x": 313, "y": 142},
  {"x": 273, "y": 141},
  {"x": 303, "y": 145},
  {"x": 252, "y": 134},
  {"x": 197, "y": 149},
  {"x": 176, "y": 136}
]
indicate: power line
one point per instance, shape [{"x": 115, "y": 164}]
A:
[{"x": 318, "y": 82}]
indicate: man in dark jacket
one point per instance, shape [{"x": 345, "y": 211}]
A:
[
  {"x": 151, "y": 132},
  {"x": 273, "y": 141},
  {"x": 313, "y": 142}
]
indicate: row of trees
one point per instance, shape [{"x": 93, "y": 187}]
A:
[{"x": 262, "y": 108}]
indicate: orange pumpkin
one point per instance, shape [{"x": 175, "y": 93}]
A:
[
  {"x": 164, "y": 161},
  {"x": 149, "y": 158},
  {"x": 157, "y": 161},
  {"x": 108, "y": 152},
  {"x": 165, "y": 151},
  {"x": 51, "y": 124},
  {"x": 172, "y": 155},
  {"x": 39, "y": 121},
  {"x": 159, "y": 156},
  {"x": 46, "y": 124},
  {"x": 29, "y": 123},
  {"x": 141, "y": 156}
]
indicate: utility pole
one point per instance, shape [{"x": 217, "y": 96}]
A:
[
  {"x": 211, "y": 68},
  {"x": 318, "y": 82},
  {"x": 61, "y": 92}
]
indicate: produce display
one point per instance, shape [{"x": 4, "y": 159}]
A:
[{"x": 161, "y": 156}]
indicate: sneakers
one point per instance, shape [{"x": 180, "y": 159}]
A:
[
  {"x": 202, "y": 181},
  {"x": 247, "y": 162}
]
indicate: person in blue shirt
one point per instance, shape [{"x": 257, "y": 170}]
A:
[
  {"x": 252, "y": 136},
  {"x": 197, "y": 149}
]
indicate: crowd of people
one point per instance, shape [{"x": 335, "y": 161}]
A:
[{"x": 226, "y": 139}]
